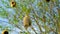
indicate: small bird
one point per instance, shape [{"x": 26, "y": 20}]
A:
[
  {"x": 13, "y": 3},
  {"x": 5, "y": 32},
  {"x": 26, "y": 21}
]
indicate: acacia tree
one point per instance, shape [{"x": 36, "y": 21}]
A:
[{"x": 44, "y": 15}]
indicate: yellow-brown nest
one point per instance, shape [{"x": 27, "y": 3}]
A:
[
  {"x": 13, "y": 3},
  {"x": 26, "y": 21},
  {"x": 5, "y": 32}
]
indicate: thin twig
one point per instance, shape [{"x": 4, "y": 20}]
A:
[
  {"x": 33, "y": 30},
  {"x": 37, "y": 21}
]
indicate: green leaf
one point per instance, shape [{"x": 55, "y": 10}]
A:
[
  {"x": 4, "y": 14},
  {"x": 0, "y": 26}
]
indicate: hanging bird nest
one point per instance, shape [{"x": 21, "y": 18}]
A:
[
  {"x": 47, "y": 0},
  {"x": 5, "y": 32},
  {"x": 13, "y": 3},
  {"x": 26, "y": 21}
]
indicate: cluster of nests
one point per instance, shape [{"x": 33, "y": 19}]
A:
[{"x": 26, "y": 19}]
